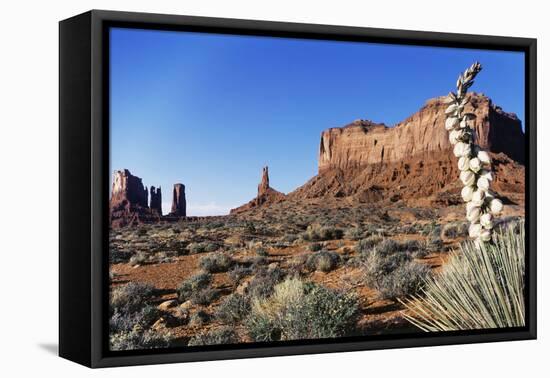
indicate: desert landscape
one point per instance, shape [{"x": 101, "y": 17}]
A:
[{"x": 333, "y": 258}]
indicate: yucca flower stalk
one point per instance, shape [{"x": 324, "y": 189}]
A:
[
  {"x": 481, "y": 287},
  {"x": 474, "y": 163}
]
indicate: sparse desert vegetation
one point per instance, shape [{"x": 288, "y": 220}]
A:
[{"x": 274, "y": 274}]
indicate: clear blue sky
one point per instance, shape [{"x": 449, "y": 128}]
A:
[{"x": 210, "y": 110}]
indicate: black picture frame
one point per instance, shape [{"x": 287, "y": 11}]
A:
[{"x": 84, "y": 170}]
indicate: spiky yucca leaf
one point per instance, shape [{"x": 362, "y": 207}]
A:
[{"x": 480, "y": 287}]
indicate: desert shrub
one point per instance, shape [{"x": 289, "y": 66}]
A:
[
  {"x": 142, "y": 231},
  {"x": 455, "y": 230},
  {"x": 365, "y": 245},
  {"x": 202, "y": 247},
  {"x": 422, "y": 251},
  {"x": 204, "y": 296},
  {"x": 192, "y": 285},
  {"x": 139, "y": 258},
  {"x": 261, "y": 251},
  {"x": 431, "y": 229},
  {"x": 409, "y": 229},
  {"x": 139, "y": 339},
  {"x": 216, "y": 262},
  {"x": 119, "y": 256},
  {"x": 434, "y": 243},
  {"x": 220, "y": 336},
  {"x": 196, "y": 248},
  {"x": 324, "y": 261},
  {"x": 121, "y": 321},
  {"x": 233, "y": 308},
  {"x": 354, "y": 233},
  {"x": 478, "y": 288},
  {"x": 388, "y": 247},
  {"x": 290, "y": 238},
  {"x": 378, "y": 265},
  {"x": 238, "y": 272},
  {"x": 394, "y": 274},
  {"x": 410, "y": 245},
  {"x": 199, "y": 318},
  {"x": 319, "y": 233},
  {"x": 264, "y": 281},
  {"x": 130, "y": 317},
  {"x": 130, "y": 297},
  {"x": 314, "y": 247},
  {"x": 406, "y": 279},
  {"x": 301, "y": 311},
  {"x": 258, "y": 262}
]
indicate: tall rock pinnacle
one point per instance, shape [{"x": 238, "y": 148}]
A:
[
  {"x": 263, "y": 186},
  {"x": 179, "y": 205},
  {"x": 156, "y": 200}
]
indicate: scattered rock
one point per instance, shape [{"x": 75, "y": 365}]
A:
[
  {"x": 272, "y": 266},
  {"x": 186, "y": 305},
  {"x": 167, "y": 304},
  {"x": 159, "y": 324},
  {"x": 242, "y": 288}
]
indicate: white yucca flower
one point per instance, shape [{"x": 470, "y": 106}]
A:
[
  {"x": 468, "y": 178},
  {"x": 495, "y": 206},
  {"x": 486, "y": 220},
  {"x": 464, "y": 163},
  {"x": 467, "y": 193},
  {"x": 474, "y": 164}
]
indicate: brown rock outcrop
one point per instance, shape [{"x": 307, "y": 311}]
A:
[
  {"x": 266, "y": 195},
  {"x": 414, "y": 158},
  {"x": 156, "y": 201},
  {"x": 179, "y": 205},
  {"x": 128, "y": 204}
]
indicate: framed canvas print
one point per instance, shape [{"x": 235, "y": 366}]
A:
[{"x": 234, "y": 188}]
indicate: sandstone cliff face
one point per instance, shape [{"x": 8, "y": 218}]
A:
[
  {"x": 413, "y": 159},
  {"x": 266, "y": 195},
  {"x": 364, "y": 143},
  {"x": 179, "y": 204}
]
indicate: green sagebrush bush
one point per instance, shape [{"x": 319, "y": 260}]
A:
[
  {"x": 297, "y": 310},
  {"x": 192, "y": 285}
]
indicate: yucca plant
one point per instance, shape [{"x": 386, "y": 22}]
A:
[
  {"x": 480, "y": 287},
  {"x": 474, "y": 163}
]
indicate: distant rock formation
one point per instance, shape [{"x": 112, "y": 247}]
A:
[
  {"x": 364, "y": 143},
  {"x": 156, "y": 200},
  {"x": 263, "y": 186},
  {"x": 266, "y": 195},
  {"x": 128, "y": 189},
  {"x": 128, "y": 204},
  {"x": 413, "y": 159},
  {"x": 179, "y": 205}
]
